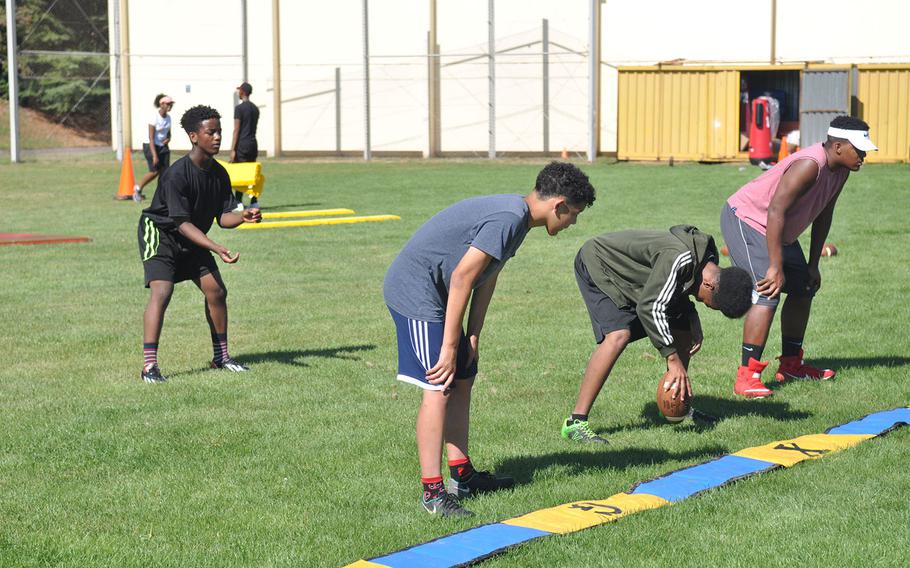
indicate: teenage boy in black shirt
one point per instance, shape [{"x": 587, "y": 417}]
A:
[
  {"x": 173, "y": 244},
  {"x": 244, "y": 147}
]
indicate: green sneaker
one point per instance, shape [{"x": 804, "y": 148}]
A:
[{"x": 579, "y": 431}]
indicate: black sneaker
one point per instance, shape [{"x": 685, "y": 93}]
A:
[
  {"x": 479, "y": 482},
  {"x": 153, "y": 375},
  {"x": 445, "y": 505},
  {"x": 230, "y": 365}
]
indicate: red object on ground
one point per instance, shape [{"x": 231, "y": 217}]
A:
[
  {"x": 760, "y": 132},
  {"x": 35, "y": 239}
]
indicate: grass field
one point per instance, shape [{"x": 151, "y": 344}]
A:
[{"x": 309, "y": 460}]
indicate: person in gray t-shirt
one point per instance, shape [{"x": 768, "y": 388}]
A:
[{"x": 454, "y": 258}]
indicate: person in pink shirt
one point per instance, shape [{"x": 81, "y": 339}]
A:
[{"x": 761, "y": 224}]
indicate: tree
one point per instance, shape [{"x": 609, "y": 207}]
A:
[{"x": 62, "y": 86}]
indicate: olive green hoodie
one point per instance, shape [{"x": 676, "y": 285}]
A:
[{"x": 652, "y": 272}]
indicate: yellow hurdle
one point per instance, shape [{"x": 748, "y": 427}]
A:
[
  {"x": 310, "y": 213},
  {"x": 315, "y": 222}
]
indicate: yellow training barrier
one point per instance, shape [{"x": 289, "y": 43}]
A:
[
  {"x": 309, "y": 213},
  {"x": 245, "y": 176},
  {"x": 315, "y": 222}
]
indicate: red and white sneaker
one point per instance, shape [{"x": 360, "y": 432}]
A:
[
  {"x": 748, "y": 380},
  {"x": 794, "y": 368}
]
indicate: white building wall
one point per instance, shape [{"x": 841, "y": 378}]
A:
[
  {"x": 646, "y": 32},
  {"x": 191, "y": 50}
]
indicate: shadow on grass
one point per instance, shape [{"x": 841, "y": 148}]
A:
[
  {"x": 298, "y": 357},
  {"x": 293, "y": 357},
  {"x": 719, "y": 409},
  {"x": 522, "y": 468},
  {"x": 841, "y": 363}
]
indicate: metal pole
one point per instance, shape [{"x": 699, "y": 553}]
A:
[
  {"x": 491, "y": 28},
  {"x": 367, "y": 154},
  {"x": 592, "y": 81},
  {"x": 126, "y": 93},
  {"x": 338, "y": 109},
  {"x": 243, "y": 47},
  {"x": 546, "y": 85},
  {"x": 276, "y": 78},
  {"x": 13, "y": 69},
  {"x": 433, "y": 122},
  {"x": 773, "y": 32},
  {"x": 117, "y": 111}
]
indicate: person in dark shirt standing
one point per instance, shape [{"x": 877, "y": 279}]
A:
[
  {"x": 191, "y": 195},
  {"x": 244, "y": 147}
]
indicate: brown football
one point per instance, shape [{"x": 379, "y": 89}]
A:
[
  {"x": 673, "y": 409},
  {"x": 829, "y": 250}
]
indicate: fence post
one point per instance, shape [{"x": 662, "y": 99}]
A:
[
  {"x": 593, "y": 79},
  {"x": 338, "y": 109},
  {"x": 433, "y": 72},
  {"x": 367, "y": 152},
  {"x": 243, "y": 48},
  {"x": 546, "y": 85},
  {"x": 276, "y": 79},
  {"x": 13, "y": 69},
  {"x": 492, "y": 73}
]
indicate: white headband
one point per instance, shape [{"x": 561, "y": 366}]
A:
[{"x": 859, "y": 138}]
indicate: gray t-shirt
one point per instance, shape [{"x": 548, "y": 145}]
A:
[{"x": 417, "y": 282}]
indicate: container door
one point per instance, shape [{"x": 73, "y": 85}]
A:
[
  {"x": 825, "y": 94},
  {"x": 883, "y": 101},
  {"x": 682, "y": 113}
]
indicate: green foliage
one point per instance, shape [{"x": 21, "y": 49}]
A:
[
  {"x": 58, "y": 85},
  {"x": 309, "y": 459}
]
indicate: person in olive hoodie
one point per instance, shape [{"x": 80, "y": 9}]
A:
[{"x": 636, "y": 284}]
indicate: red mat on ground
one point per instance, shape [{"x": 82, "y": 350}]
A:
[{"x": 35, "y": 239}]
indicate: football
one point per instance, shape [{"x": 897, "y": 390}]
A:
[
  {"x": 673, "y": 409},
  {"x": 829, "y": 250},
  {"x": 724, "y": 250}
]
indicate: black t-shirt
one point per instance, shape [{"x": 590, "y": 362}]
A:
[
  {"x": 188, "y": 193},
  {"x": 248, "y": 113}
]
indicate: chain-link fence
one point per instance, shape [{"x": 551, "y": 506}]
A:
[{"x": 63, "y": 75}]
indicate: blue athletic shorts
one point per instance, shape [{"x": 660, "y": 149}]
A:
[{"x": 419, "y": 343}]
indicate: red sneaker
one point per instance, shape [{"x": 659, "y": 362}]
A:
[
  {"x": 748, "y": 380},
  {"x": 793, "y": 367}
]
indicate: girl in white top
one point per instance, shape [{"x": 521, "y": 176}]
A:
[{"x": 156, "y": 150}]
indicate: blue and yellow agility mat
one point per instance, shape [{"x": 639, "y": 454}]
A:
[{"x": 476, "y": 544}]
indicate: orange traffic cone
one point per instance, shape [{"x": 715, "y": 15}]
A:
[
  {"x": 127, "y": 179},
  {"x": 565, "y": 154},
  {"x": 784, "y": 149}
]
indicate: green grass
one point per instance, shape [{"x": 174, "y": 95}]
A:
[{"x": 309, "y": 460}]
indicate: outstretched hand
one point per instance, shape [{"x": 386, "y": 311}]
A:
[{"x": 251, "y": 215}]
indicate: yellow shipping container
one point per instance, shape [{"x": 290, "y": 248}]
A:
[
  {"x": 681, "y": 112},
  {"x": 884, "y": 102},
  {"x": 692, "y": 113}
]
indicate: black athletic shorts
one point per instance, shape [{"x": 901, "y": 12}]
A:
[
  {"x": 607, "y": 317},
  {"x": 164, "y": 257},
  {"x": 247, "y": 151},
  {"x": 164, "y": 157}
]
